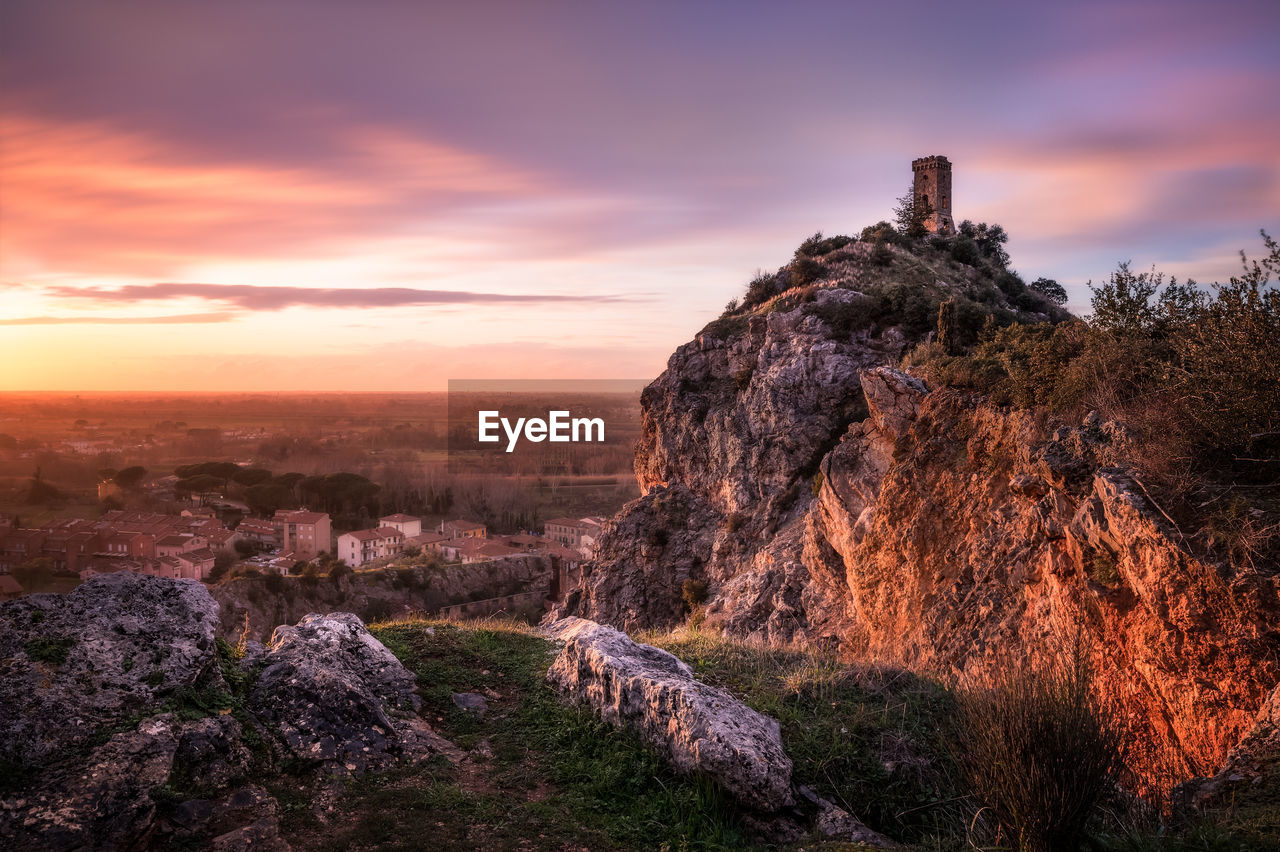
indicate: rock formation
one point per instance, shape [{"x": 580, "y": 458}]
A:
[
  {"x": 75, "y": 664},
  {"x": 697, "y": 727},
  {"x": 121, "y": 730},
  {"x": 828, "y": 499},
  {"x": 335, "y": 693}
]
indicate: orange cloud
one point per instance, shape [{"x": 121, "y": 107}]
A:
[{"x": 85, "y": 198}]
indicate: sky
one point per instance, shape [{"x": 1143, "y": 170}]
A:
[{"x": 384, "y": 196}]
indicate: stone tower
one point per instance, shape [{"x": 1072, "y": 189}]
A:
[{"x": 932, "y": 193}]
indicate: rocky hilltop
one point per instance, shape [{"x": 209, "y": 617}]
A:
[{"x": 824, "y": 497}]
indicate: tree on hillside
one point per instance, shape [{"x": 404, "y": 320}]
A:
[
  {"x": 910, "y": 216},
  {"x": 1230, "y": 355},
  {"x": 990, "y": 240},
  {"x": 1051, "y": 290}
]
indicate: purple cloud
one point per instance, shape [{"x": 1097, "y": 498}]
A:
[{"x": 270, "y": 298}]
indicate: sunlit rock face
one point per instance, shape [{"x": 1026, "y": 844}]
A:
[{"x": 829, "y": 499}]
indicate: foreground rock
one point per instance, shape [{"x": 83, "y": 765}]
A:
[
  {"x": 695, "y": 726},
  {"x": 336, "y": 694},
  {"x": 116, "y": 645},
  {"x": 125, "y": 725}
]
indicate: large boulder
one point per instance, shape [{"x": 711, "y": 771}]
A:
[
  {"x": 119, "y": 728},
  {"x": 697, "y": 727},
  {"x": 336, "y": 693},
  {"x": 116, "y": 645}
]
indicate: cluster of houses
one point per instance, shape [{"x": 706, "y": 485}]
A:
[
  {"x": 186, "y": 546},
  {"x": 568, "y": 540},
  {"x": 177, "y": 546}
]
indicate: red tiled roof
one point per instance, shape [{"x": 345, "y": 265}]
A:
[{"x": 301, "y": 517}]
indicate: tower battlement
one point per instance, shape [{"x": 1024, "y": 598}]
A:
[
  {"x": 927, "y": 162},
  {"x": 931, "y": 190}
]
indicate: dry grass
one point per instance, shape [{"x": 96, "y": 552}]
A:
[{"x": 1039, "y": 752}]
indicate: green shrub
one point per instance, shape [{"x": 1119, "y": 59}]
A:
[
  {"x": 805, "y": 270},
  {"x": 1011, "y": 284},
  {"x": 338, "y": 571},
  {"x": 882, "y": 255},
  {"x": 761, "y": 289},
  {"x": 913, "y": 307},
  {"x": 48, "y": 649},
  {"x": 881, "y": 233},
  {"x": 725, "y": 327},
  {"x": 817, "y": 245},
  {"x": 1234, "y": 529},
  {"x": 841, "y": 318},
  {"x": 1051, "y": 290},
  {"x": 965, "y": 250},
  {"x": 1039, "y": 751}
]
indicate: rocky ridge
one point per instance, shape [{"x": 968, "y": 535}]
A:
[{"x": 828, "y": 499}]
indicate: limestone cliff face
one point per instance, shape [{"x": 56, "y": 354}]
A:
[
  {"x": 965, "y": 533},
  {"x": 830, "y": 501}
]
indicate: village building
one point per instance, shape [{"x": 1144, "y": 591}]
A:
[
  {"x": 427, "y": 541},
  {"x": 19, "y": 546},
  {"x": 259, "y": 532},
  {"x": 307, "y": 534},
  {"x": 10, "y": 588},
  {"x": 580, "y": 534},
  {"x": 463, "y": 529},
  {"x": 363, "y": 546},
  {"x": 196, "y": 564},
  {"x": 407, "y": 524},
  {"x": 175, "y": 544}
]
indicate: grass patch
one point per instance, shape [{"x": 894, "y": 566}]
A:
[
  {"x": 556, "y": 777},
  {"x": 48, "y": 649},
  {"x": 867, "y": 738}
]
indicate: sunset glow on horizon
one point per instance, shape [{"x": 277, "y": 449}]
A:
[{"x": 380, "y": 197}]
